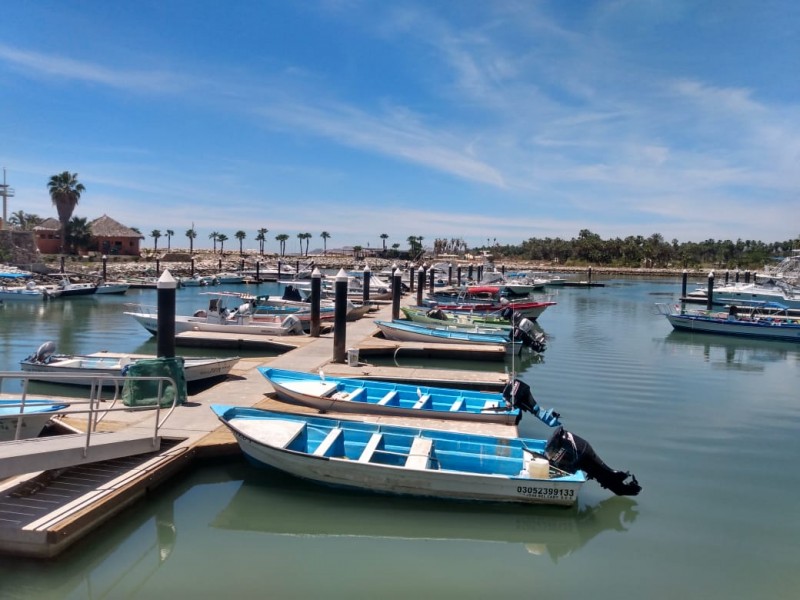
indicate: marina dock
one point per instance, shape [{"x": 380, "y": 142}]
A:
[{"x": 45, "y": 512}]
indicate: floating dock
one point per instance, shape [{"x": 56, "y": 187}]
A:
[{"x": 44, "y": 512}]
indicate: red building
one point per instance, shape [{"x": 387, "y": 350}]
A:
[{"x": 108, "y": 237}]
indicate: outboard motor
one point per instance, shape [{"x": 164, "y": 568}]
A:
[
  {"x": 292, "y": 293},
  {"x": 294, "y": 325},
  {"x": 43, "y": 353},
  {"x": 572, "y": 453},
  {"x": 523, "y": 331},
  {"x": 518, "y": 394},
  {"x": 436, "y": 313},
  {"x": 507, "y": 313}
]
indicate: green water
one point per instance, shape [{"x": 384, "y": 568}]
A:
[{"x": 709, "y": 425}]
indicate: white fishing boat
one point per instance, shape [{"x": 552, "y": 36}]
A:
[
  {"x": 415, "y": 461},
  {"x": 46, "y": 361},
  {"x": 112, "y": 287},
  {"x": 23, "y": 419},
  {"x": 218, "y": 318}
]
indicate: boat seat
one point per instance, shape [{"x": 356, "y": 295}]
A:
[
  {"x": 419, "y": 456},
  {"x": 358, "y": 395},
  {"x": 370, "y": 448},
  {"x": 457, "y": 405},
  {"x": 326, "y": 446},
  {"x": 388, "y": 398},
  {"x": 423, "y": 400}
]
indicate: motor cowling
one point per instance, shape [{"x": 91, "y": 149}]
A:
[
  {"x": 572, "y": 453},
  {"x": 436, "y": 313},
  {"x": 43, "y": 353},
  {"x": 524, "y": 332},
  {"x": 518, "y": 394},
  {"x": 293, "y": 324}
]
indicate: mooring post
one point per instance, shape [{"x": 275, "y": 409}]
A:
[
  {"x": 469, "y": 272},
  {"x": 279, "y": 271},
  {"x": 420, "y": 285},
  {"x": 241, "y": 265},
  {"x": 219, "y": 265},
  {"x": 710, "y": 292},
  {"x": 316, "y": 295},
  {"x": 258, "y": 271},
  {"x": 503, "y": 270},
  {"x": 431, "y": 280},
  {"x": 394, "y": 269},
  {"x": 450, "y": 274},
  {"x": 367, "y": 277},
  {"x": 684, "y": 281},
  {"x": 340, "y": 317},
  {"x": 105, "y": 260},
  {"x": 458, "y": 274},
  {"x": 726, "y": 276},
  {"x": 736, "y": 279},
  {"x": 590, "y": 275},
  {"x": 158, "y": 265},
  {"x": 62, "y": 263},
  {"x": 192, "y": 273},
  {"x": 397, "y": 285},
  {"x": 747, "y": 276},
  {"x": 165, "y": 338}
]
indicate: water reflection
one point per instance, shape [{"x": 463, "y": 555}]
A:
[
  {"x": 731, "y": 352},
  {"x": 274, "y": 503}
]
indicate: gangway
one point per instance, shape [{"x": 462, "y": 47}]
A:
[{"x": 56, "y": 452}]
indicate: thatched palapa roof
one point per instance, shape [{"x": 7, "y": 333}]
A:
[
  {"x": 49, "y": 223},
  {"x": 105, "y": 226}
]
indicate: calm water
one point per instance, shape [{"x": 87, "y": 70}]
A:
[{"x": 709, "y": 425}]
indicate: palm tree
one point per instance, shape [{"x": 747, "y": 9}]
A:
[
  {"x": 282, "y": 239},
  {"x": 169, "y": 234},
  {"x": 155, "y": 234},
  {"x": 222, "y": 239},
  {"x": 65, "y": 191},
  {"x": 79, "y": 234},
  {"x": 240, "y": 235},
  {"x": 325, "y": 237},
  {"x": 24, "y": 221},
  {"x": 191, "y": 234},
  {"x": 213, "y": 236},
  {"x": 384, "y": 237},
  {"x": 307, "y": 237},
  {"x": 301, "y": 237},
  {"x": 261, "y": 238}
]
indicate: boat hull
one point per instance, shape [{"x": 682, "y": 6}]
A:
[
  {"x": 399, "y": 400},
  {"x": 265, "y": 444},
  {"x": 35, "y": 416},
  {"x": 774, "y": 330}
]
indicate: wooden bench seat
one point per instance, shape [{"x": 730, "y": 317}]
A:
[
  {"x": 423, "y": 400},
  {"x": 420, "y": 454},
  {"x": 457, "y": 405},
  {"x": 388, "y": 398},
  {"x": 326, "y": 446},
  {"x": 371, "y": 447}
]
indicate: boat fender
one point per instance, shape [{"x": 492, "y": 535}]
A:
[
  {"x": 518, "y": 394},
  {"x": 572, "y": 453}
]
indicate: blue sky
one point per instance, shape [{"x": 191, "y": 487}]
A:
[{"x": 462, "y": 118}]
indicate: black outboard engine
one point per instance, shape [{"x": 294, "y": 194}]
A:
[
  {"x": 507, "y": 313},
  {"x": 436, "y": 313},
  {"x": 292, "y": 293},
  {"x": 523, "y": 331},
  {"x": 518, "y": 394},
  {"x": 572, "y": 453}
]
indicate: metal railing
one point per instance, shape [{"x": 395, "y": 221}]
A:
[{"x": 95, "y": 407}]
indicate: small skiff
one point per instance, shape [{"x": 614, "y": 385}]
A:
[{"x": 35, "y": 415}]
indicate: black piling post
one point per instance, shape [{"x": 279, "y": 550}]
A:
[
  {"x": 62, "y": 264},
  {"x": 394, "y": 270},
  {"x": 736, "y": 279},
  {"x": 432, "y": 280},
  {"x": 503, "y": 270},
  {"x": 258, "y": 271},
  {"x": 590, "y": 275},
  {"x": 165, "y": 338},
  {"x": 192, "y": 273},
  {"x": 241, "y": 265},
  {"x": 710, "y": 292},
  {"x": 747, "y": 276},
  {"x": 480, "y": 273},
  {"x": 367, "y": 276},
  {"x": 458, "y": 274},
  {"x": 158, "y": 265},
  {"x": 219, "y": 265},
  {"x": 340, "y": 317},
  {"x": 396, "y": 292},
  {"x": 105, "y": 260},
  {"x": 316, "y": 295},
  {"x": 726, "y": 276},
  {"x": 684, "y": 282},
  {"x": 297, "y": 267},
  {"x": 469, "y": 271},
  {"x": 420, "y": 285},
  {"x": 450, "y": 274}
]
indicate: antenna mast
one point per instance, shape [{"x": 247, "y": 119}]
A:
[{"x": 6, "y": 192}]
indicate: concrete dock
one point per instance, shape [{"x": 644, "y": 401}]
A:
[{"x": 43, "y": 513}]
